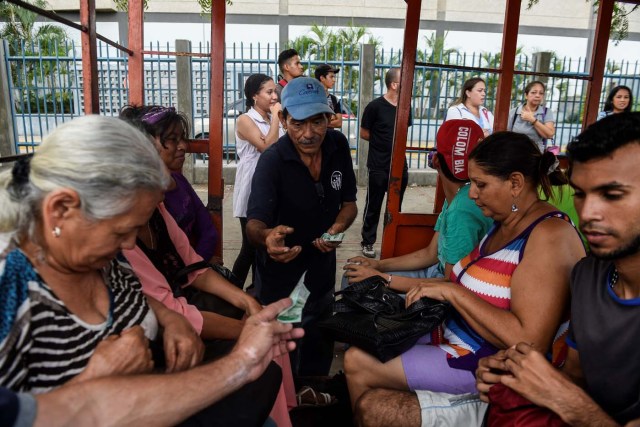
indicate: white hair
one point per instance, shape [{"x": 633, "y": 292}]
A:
[{"x": 105, "y": 160}]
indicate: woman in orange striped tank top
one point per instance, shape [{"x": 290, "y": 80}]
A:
[{"x": 513, "y": 287}]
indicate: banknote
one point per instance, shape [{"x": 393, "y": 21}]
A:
[
  {"x": 299, "y": 296},
  {"x": 338, "y": 237}
]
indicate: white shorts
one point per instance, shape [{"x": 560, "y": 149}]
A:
[{"x": 443, "y": 409}]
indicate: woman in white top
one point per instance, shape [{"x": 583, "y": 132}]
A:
[
  {"x": 533, "y": 118},
  {"x": 470, "y": 105},
  {"x": 256, "y": 130}
]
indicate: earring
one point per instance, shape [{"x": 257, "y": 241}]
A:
[
  {"x": 514, "y": 207},
  {"x": 56, "y": 231}
]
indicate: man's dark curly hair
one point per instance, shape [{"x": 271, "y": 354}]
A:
[{"x": 605, "y": 136}]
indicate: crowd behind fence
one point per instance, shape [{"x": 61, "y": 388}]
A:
[{"x": 47, "y": 89}]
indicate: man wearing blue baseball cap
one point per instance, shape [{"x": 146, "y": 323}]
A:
[{"x": 303, "y": 187}]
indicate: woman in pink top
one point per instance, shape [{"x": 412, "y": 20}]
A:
[{"x": 162, "y": 250}]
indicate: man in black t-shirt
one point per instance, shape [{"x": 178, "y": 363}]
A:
[
  {"x": 377, "y": 127},
  {"x": 601, "y": 381}
]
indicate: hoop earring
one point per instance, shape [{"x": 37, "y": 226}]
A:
[{"x": 56, "y": 231}]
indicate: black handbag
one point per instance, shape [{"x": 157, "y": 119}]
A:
[{"x": 372, "y": 317}]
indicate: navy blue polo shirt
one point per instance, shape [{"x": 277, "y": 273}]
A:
[{"x": 284, "y": 193}]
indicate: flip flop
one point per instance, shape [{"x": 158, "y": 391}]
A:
[{"x": 309, "y": 397}]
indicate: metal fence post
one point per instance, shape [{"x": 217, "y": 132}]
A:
[
  {"x": 184, "y": 87},
  {"x": 283, "y": 24},
  {"x": 7, "y": 137},
  {"x": 367, "y": 68},
  {"x": 542, "y": 64}
]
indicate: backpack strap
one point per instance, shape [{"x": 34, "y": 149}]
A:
[{"x": 515, "y": 116}]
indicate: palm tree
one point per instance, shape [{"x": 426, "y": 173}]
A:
[
  {"x": 26, "y": 39},
  {"x": 20, "y": 27},
  {"x": 324, "y": 44},
  {"x": 436, "y": 53}
]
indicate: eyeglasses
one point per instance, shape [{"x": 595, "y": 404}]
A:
[{"x": 155, "y": 114}]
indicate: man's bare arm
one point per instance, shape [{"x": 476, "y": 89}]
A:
[
  {"x": 345, "y": 217},
  {"x": 167, "y": 399},
  {"x": 536, "y": 379}
]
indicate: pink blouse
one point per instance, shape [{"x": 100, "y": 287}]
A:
[{"x": 153, "y": 282}]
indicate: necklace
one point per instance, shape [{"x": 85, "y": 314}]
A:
[
  {"x": 613, "y": 281},
  {"x": 153, "y": 245}
]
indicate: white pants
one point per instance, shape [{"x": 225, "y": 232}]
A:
[{"x": 456, "y": 410}]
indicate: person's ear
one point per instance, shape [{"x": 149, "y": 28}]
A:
[
  {"x": 158, "y": 144},
  {"x": 436, "y": 162},
  {"x": 59, "y": 206},
  {"x": 283, "y": 121},
  {"x": 517, "y": 183}
]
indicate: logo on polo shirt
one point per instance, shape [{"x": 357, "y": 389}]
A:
[{"x": 336, "y": 180}]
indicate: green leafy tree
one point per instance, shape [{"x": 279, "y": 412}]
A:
[
  {"x": 431, "y": 83},
  {"x": 25, "y": 38},
  {"x": 324, "y": 44},
  {"x": 619, "y": 21},
  {"x": 19, "y": 26}
]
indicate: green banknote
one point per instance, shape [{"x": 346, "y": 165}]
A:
[
  {"x": 338, "y": 237},
  {"x": 299, "y": 296}
]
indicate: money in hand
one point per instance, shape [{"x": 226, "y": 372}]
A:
[
  {"x": 299, "y": 296},
  {"x": 338, "y": 237}
]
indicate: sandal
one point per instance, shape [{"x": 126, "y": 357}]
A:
[{"x": 309, "y": 397}]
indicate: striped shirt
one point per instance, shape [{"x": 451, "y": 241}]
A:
[
  {"x": 42, "y": 344},
  {"x": 488, "y": 276}
]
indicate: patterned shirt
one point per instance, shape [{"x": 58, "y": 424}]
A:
[{"x": 42, "y": 344}]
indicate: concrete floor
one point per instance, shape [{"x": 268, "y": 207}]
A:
[{"x": 417, "y": 200}]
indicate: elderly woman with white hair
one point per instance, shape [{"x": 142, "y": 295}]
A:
[
  {"x": 66, "y": 299},
  {"x": 71, "y": 307}
]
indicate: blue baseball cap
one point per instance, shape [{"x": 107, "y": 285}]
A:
[{"x": 304, "y": 97}]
